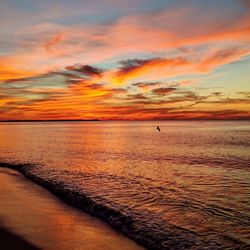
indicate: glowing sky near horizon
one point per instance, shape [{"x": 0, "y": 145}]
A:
[{"x": 133, "y": 59}]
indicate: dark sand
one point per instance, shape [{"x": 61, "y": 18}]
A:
[
  {"x": 40, "y": 218},
  {"x": 10, "y": 241}
]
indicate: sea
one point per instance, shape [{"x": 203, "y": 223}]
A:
[{"x": 185, "y": 187}]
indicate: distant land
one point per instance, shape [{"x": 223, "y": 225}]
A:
[
  {"x": 98, "y": 120},
  {"x": 75, "y": 120}
]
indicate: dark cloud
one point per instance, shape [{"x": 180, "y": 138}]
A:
[
  {"x": 138, "y": 96},
  {"x": 231, "y": 101},
  {"x": 118, "y": 91},
  {"x": 244, "y": 93},
  {"x": 146, "y": 84},
  {"x": 95, "y": 86},
  {"x": 85, "y": 70},
  {"x": 75, "y": 81},
  {"x": 217, "y": 93},
  {"x": 188, "y": 95},
  {"x": 163, "y": 91},
  {"x": 73, "y": 74},
  {"x": 71, "y": 77},
  {"x": 28, "y": 79},
  {"x": 130, "y": 65},
  {"x": 245, "y": 3},
  {"x": 63, "y": 73}
]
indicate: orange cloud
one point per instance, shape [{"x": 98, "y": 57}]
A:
[
  {"x": 173, "y": 43},
  {"x": 9, "y": 72},
  {"x": 135, "y": 68},
  {"x": 49, "y": 47},
  {"x": 52, "y": 42},
  {"x": 222, "y": 57}
]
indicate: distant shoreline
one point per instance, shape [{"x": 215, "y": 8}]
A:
[
  {"x": 98, "y": 120},
  {"x": 94, "y": 120}
]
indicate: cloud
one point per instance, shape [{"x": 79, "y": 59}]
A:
[
  {"x": 9, "y": 72},
  {"x": 222, "y": 57},
  {"x": 45, "y": 46},
  {"x": 137, "y": 96},
  {"x": 226, "y": 114},
  {"x": 244, "y": 93},
  {"x": 52, "y": 42},
  {"x": 132, "y": 65},
  {"x": 146, "y": 85},
  {"x": 142, "y": 49},
  {"x": 245, "y": 3},
  {"x": 134, "y": 68},
  {"x": 217, "y": 93},
  {"x": 231, "y": 101},
  {"x": 86, "y": 70},
  {"x": 97, "y": 101},
  {"x": 163, "y": 91}
]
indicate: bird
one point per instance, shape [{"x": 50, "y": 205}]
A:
[{"x": 158, "y": 128}]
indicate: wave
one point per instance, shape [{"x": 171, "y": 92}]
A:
[{"x": 151, "y": 233}]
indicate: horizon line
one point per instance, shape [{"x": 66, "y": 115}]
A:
[{"x": 99, "y": 120}]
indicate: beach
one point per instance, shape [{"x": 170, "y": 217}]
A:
[
  {"x": 10, "y": 241},
  {"x": 32, "y": 218}
]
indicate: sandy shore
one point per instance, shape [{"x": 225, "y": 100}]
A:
[
  {"x": 10, "y": 241},
  {"x": 41, "y": 219}
]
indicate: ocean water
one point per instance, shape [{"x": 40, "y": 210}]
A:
[{"x": 186, "y": 187}]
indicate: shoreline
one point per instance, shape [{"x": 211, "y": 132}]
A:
[
  {"x": 38, "y": 219},
  {"x": 114, "y": 219}
]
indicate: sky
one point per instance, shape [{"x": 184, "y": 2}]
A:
[{"x": 124, "y": 60}]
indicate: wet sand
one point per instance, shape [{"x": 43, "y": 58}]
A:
[{"x": 40, "y": 219}]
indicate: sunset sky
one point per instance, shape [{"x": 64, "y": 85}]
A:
[{"x": 125, "y": 60}]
